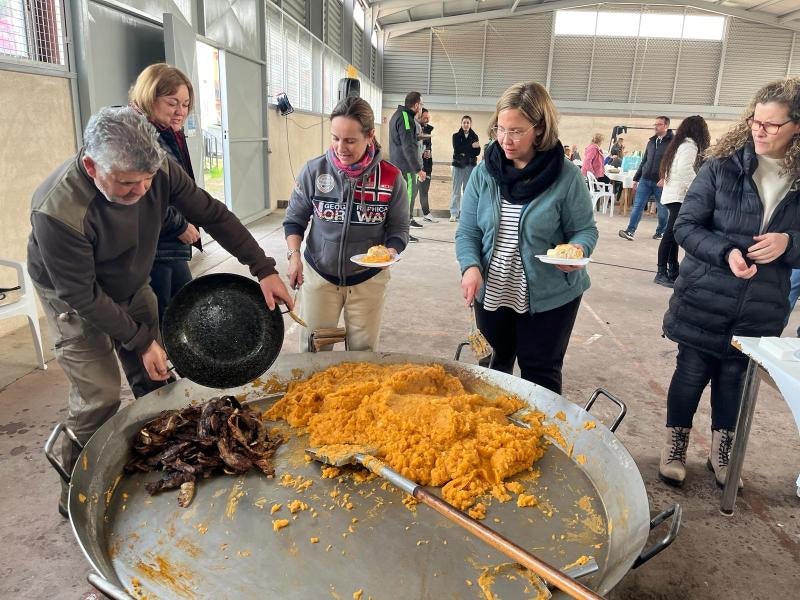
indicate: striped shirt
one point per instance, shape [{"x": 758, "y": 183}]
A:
[{"x": 506, "y": 284}]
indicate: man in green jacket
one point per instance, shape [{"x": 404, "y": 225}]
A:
[
  {"x": 95, "y": 226},
  {"x": 404, "y": 149}
]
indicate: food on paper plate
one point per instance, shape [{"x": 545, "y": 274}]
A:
[
  {"x": 565, "y": 251},
  {"x": 377, "y": 254}
]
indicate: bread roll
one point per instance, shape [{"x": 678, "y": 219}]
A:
[
  {"x": 377, "y": 254},
  {"x": 565, "y": 251}
]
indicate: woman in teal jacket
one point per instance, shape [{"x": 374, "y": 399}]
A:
[{"x": 522, "y": 200}]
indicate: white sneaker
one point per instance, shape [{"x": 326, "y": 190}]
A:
[
  {"x": 429, "y": 218},
  {"x": 453, "y": 219}
]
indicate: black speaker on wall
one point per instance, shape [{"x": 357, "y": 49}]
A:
[{"x": 349, "y": 87}]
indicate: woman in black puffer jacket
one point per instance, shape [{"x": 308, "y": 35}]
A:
[
  {"x": 164, "y": 95},
  {"x": 740, "y": 228}
]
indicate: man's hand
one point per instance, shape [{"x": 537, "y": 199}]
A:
[
  {"x": 660, "y": 183},
  {"x": 738, "y": 265},
  {"x": 426, "y": 154},
  {"x": 275, "y": 292},
  {"x": 190, "y": 236},
  {"x": 154, "y": 360},
  {"x": 422, "y": 175},
  {"x": 295, "y": 271},
  {"x": 476, "y": 144},
  {"x": 471, "y": 282},
  {"x": 634, "y": 186},
  {"x": 769, "y": 246}
]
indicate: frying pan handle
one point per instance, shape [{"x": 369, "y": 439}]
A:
[
  {"x": 623, "y": 409},
  {"x": 50, "y": 444},
  {"x": 673, "y": 511},
  {"x": 109, "y": 590}
]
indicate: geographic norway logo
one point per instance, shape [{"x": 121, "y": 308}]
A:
[{"x": 325, "y": 183}]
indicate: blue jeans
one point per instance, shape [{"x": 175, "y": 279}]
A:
[
  {"x": 460, "y": 179},
  {"x": 794, "y": 291},
  {"x": 646, "y": 189}
]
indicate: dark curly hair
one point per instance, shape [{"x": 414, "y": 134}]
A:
[{"x": 694, "y": 128}]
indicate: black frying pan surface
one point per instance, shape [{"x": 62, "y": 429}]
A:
[{"x": 219, "y": 332}]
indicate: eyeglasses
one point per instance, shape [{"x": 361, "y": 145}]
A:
[
  {"x": 515, "y": 134},
  {"x": 769, "y": 128}
]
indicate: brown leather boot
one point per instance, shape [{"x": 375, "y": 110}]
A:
[{"x": 672, "y": 467}]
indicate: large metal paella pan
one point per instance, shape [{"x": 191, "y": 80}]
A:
[{"x": 224, "y": 546}]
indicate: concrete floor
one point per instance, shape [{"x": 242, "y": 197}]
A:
[{"x": 616, "y": 343}]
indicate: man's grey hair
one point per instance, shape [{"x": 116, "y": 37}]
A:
[{"x": 118, "y": 138}]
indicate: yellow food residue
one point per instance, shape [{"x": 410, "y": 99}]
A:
[
  {"x": 410, "y": 502},
  {"x": 593, "y": 521},
  {"x": 297, "y": 506},
  {"x": 582, "y": 560},
  {"x": 561, "y": 416},
  {"x": 81, "y": 498},
  {"x": 279, "y": 524},
  {"x": 299, "y": 483},
  {"x": 235, "y": 495},
  {"x": 85, "y": 462},
  {"x": 478, "y": 511},
  {"x": 589, "y": 425},
  {"x": 580, "y": 459},
  {"x": 357, "y": 594},
  {"x": 331, "y": 472},
  {"x": 515, "y": 487},
  {"x": 421, "y": 420},
  {"x": 275, "y": 508},
  {"x": 314, "y": 540},
  {"x": 524, "y": 500}
]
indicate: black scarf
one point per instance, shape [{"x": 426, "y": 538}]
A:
[{"x": 519, "y": 186}]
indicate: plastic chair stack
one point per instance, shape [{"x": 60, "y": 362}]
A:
[
  {"x": 25, "y": 304},
  {"x": 602, "y": 194}
]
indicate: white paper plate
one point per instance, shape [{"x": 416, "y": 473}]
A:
[
  {"x": 573, "y": 262},
  {"x": 358, "y": 259}
]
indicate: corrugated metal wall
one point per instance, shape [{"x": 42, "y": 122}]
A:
[
  {"x": 332, "y": 24},
  {"x": 454, "y": 61}
]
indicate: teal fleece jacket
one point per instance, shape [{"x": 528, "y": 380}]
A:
[{"x": 562, "y": 214}]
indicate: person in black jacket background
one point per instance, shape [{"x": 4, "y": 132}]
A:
[
  {"x": 740, "y": 228},
  {"x": 647, "y": 179},
  {"x": 164, "y": 95},
  {"x": 424, "y": 119},
  {"x": 466, "y": 149}
]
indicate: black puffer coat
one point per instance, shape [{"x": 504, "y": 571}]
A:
[{"x": 723, "y": 211}]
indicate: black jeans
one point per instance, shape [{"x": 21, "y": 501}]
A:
[
  {"x": 537, "y": 341},
  {"x": 166, "y": 278},
  {"x": 693, "y": 371},
  {"x": 424, "y": 187},
  {"x": 668, "y": 248}
]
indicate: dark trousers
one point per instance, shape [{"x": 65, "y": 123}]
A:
[
  {"x": 166, "y": 278},
  {"x": 668, "y": 248},
  {"x": 412, "y": 186},
  {"x": 693, "y": 371},
  {"x": 537, "y": 342},
  {"x": 424, "y": 188}
]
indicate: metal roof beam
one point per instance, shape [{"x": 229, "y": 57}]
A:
[{"x": 764, "y": 18}]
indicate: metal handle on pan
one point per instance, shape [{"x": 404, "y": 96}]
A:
[
  {"x": 109, "y": 590},
  {"x": 623, "y": 409},
  {"x": 51, "y": 442},
  {"x": 673, "y": 511}
]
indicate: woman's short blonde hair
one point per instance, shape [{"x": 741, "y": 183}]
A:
[
  {"x": 535, "y": 103},
  {"x": 155, "y": 81},
  {"x": 598, "y": 138}
]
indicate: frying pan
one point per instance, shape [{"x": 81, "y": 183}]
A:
[{"x": 219, "y": 332}]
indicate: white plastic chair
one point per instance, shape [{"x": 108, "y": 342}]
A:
[
  {"x": 601, "y": 192},
  {"x": 24, "y": 305}
]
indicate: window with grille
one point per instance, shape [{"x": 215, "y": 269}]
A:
[{"x": 32, "y": 30}]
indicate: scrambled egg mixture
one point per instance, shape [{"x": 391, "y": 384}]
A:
[{"x": 423, "y": 423}]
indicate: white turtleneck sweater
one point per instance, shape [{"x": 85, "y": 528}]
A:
[{"x": 772, "y": 185}]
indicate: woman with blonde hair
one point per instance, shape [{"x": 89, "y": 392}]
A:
[
  {"x": 593, "y": 160},
  {"x": 164, "y": 95},
  {"x": 740, "y": 228},
  {"x": 522, "y": 200}
]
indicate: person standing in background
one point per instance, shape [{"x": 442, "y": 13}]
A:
[
  {"x": 593, "y": 159},
  {"x": 164, "y": 95},
  {"x": 679, "y": 165},
  {"x": 466, "y": 149},
  {"x": 404, "y": 151},
  {"x": 423, "y": 118}
]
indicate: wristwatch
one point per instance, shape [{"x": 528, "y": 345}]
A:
[{"x": 290, "y": 252}]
